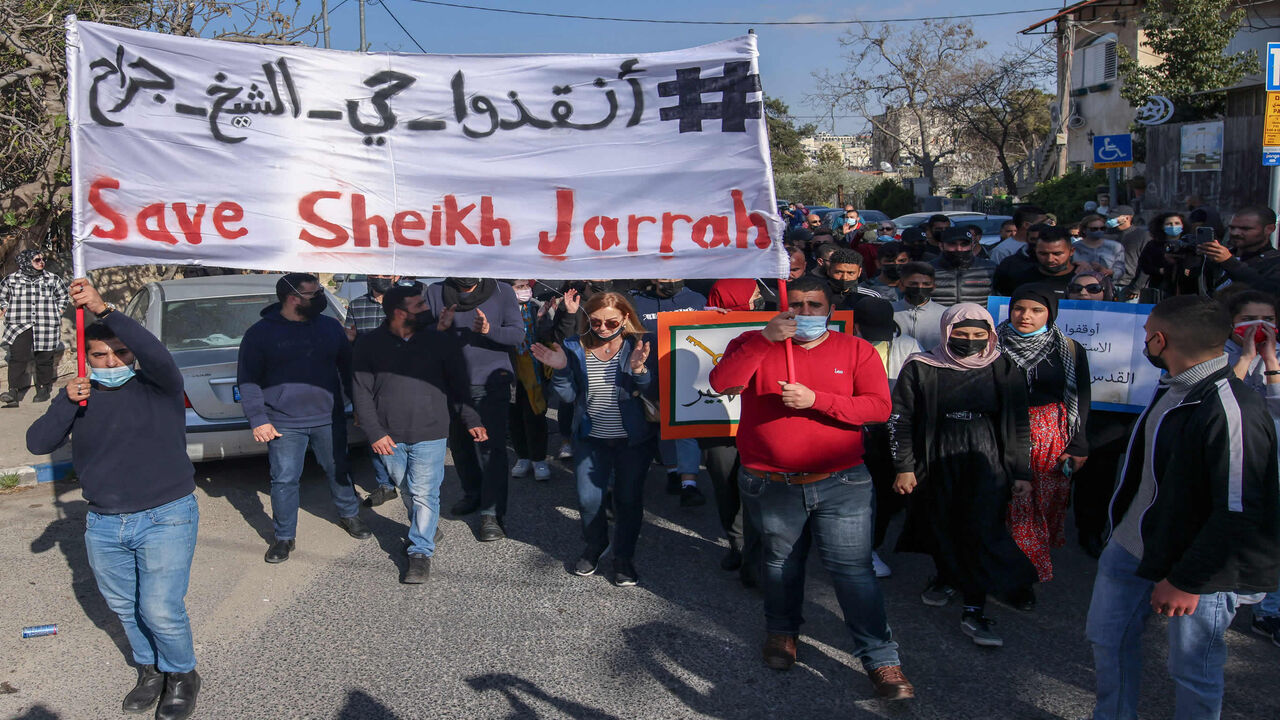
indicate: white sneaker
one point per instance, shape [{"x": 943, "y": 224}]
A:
[
  {"x": 522, "y": 468},
  {"x": 882, "y": 570},
  {"x": 566, "y": 451},
  {"x": 541, "y": 471}
]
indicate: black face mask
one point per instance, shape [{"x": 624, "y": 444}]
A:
[
  {"x": 667, "y": 290},
  {"x": 379, "y": 286},
  {"x": 891, "y": 272},
  {"x": 463, "y": 284},
  {"x": 315, "y": 306},
  {"x": 843, "y": 287},
  {"x": 917, "y": 295},
  {"x": 1156, "y": 360},
  {"x": 965, "y": 347},
  {"x": 959, "y": 258},
  {"x": 1056, "y": 269},
  {"x": 936, "y": 235}
]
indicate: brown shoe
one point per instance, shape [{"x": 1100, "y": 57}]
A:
[
  {"x": 780, "y": 651},
  {"x": 891, "y": 684}
]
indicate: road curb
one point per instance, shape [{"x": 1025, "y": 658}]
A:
[{"x": 42, "y": 473}]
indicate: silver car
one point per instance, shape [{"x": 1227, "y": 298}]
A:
[{"x": 201, "y": 321}]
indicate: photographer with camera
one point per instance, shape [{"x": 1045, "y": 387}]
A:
[
  {"x": 1172, "y": 264},
  {"x": 1247, "y": 257}
]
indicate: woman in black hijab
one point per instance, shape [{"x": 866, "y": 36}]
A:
[{"x": 1057, "y": 373}]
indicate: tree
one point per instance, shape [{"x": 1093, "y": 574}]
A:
[
  {"x": 1189, "y": 37},
  {"x": 784, "y": 137},
  {"x": 890, "y": 198},
  {"x": 830, "y": 155},
  {"x": 35, "y": 176},
  {"x": 900, "y": 84},
  {"x": 999, "y": 103}
]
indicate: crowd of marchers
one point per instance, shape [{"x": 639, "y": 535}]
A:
[{"x": 979, "y": 432}]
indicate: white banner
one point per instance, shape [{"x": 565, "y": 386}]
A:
[
  {"x": 193, "y": 151},
  {"x": 1112, "y": 334}
]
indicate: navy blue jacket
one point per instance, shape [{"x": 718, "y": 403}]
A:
[
  {"x": 292, "y": 373},
  {"x": 129, "y": 447},
  {"x": 571, "y": 385}
]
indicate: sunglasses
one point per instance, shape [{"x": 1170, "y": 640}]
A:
[
  {"x": 37, "y": 260},
  {"x": 610, "y": 324},
  {"x": 1096, "y": 228},
  {"x": 1091, "y": 288}
]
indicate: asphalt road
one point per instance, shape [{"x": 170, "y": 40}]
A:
[{"x": 503, "y": 631}]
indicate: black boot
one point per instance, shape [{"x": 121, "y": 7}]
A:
[
  {"x": 42, "y": 394},
  {"x": 10, "y": 399},
  {"x": 179, "y": 701},
  {"x": 144, "y": 695}
]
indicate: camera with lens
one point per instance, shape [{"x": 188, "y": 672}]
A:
[{"x": 1187, "y": 245}]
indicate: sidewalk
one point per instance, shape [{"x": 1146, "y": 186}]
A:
[{"x": 14, "y": 458}]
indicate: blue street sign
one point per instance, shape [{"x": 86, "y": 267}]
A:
[
  {"x": 1273, "y": 67},
  {"x": 1112, "y": 151},
  {"x": 1271, "y": 158}
]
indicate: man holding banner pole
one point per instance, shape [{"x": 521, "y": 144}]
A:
[{"x": 814, "y": 491}]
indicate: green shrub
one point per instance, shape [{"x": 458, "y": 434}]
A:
[
  {"x": 890, "y": 198},
  {"x": 1065, "y": 197}
]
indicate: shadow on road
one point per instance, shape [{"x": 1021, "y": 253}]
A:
[
  {"x": 39, "y": 712},
  {"x": 362, "y": 706},
  {"x": 67, "y": 534},
  {"x": 519, "y": 691}
]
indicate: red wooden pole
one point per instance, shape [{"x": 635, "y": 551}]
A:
[
  {"x": 782, "y": 307},
  {"x": 81, "y": 351}
]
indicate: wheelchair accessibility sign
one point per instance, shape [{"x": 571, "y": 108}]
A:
[{"x": 1111, "y": 151}]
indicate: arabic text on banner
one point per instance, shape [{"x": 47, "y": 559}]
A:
[{"x": 193, "y": 151}]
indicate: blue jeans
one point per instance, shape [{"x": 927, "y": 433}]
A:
[
  {"x": 482, "y": 467},
  {"x": 418, "y": 470},
  {"x": 684, "y": 456},
  {"x": 598, "y": 464},
  {"x": 1118, "y": 613},
  {"x": 142, "y": 562},
  {"x": 380, "y": 473},
  {"x": 1269, "y": 607},
  {"x": 838, "y": 514},
  {"x": 288, "y": 453}
]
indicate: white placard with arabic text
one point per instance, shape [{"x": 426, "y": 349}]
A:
[
  {"x": 638, "y": 165},
  {"x": 1112, "y": 334}
]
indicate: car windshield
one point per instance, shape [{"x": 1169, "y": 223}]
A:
[
  {"x": 217, "y": 322},
  {"x": 990, "y": 226}
]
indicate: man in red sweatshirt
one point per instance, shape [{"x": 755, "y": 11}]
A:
[{"x": 802, "y": 475}]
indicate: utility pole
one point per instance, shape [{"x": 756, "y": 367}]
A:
[
  {"x": 324, "y": 15},
  {"x": 363, "y": 46},
  {"x": 1066, "y": 54}
]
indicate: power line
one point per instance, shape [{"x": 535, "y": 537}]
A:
[
  {"x": 387, "y": 7},
  {"x": 731, "y": 22}
]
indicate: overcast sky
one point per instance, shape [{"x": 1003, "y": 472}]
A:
[{"x": 789, "y": 55}]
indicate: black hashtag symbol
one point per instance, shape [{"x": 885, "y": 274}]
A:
[{"x": 732, "y": 111}]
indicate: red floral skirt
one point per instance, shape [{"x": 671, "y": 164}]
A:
[{"x": 1036, "y": 520}]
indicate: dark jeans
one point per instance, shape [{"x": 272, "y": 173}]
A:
[
  {"x": 878, "y": 459},
  {"x": 21, "y": 355},
  {"x": 604, "y": 467},
  {"x": 287, "y": 455},
  {"x": 836, "y": 513},
  {"x": 528, "y": 429},
  {"x": 482, "y": 467},
  {"x": 723, "y": 466},
  {"x": 1094, "y": 483}
]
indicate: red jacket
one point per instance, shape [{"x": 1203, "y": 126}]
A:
[{"x": 845, "y": 374}]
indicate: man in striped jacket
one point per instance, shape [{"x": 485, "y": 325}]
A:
[{"x": 1195, "y": 517}]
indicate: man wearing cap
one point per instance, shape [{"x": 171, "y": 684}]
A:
[
  {"x": 874, "y": 323},
  {"x": 817, "y": 491},
  {"x": 959, "y": 275},
  {"x": 1133, "y": 237}
]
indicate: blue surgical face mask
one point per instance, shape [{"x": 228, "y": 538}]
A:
[
  {"x": 884, "y": 238},
  {"x": 1043, "y": 329},
  {"x": 1172, "y": 230},
  {"x": 1113, "y": 222},
  {"x": 111, "y": 377},
  {"x": 810, "y": 327}
]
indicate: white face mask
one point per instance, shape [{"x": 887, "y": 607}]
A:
[{"x": 524, "y": 295}]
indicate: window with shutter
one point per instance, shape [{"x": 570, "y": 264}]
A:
[{"x": 1110, "y": 62}]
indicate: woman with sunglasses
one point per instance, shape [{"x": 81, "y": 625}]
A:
[
  {"x": 1058, "y": 392},
  {"x": 31, "y": 304},
  {"x": 603, "y": 373},
  {"x": 1091, "y": 285},
  {"x": 959, "y": 439}
]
